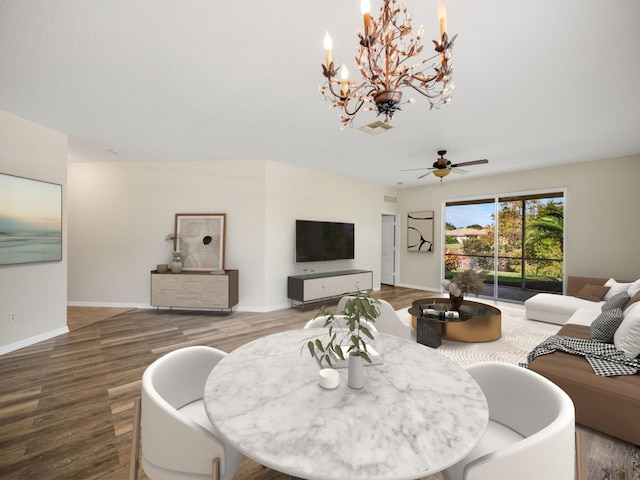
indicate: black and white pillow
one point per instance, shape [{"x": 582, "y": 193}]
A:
[
  {"x": 619, "y": 300},
  {"x": 604, "y": 327}
]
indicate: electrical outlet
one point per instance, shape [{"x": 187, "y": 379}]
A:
[{"x": 12, "y": 316}]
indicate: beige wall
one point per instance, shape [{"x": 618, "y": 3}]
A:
[
  {"x": 120, "y": 213},
  {"x": 298, "y": 193},
  {"x": 37, "y": 292},
  {"x": 600, "y": 212}
]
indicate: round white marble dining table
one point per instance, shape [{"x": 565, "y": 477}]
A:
[{"x": 418, "y": 413}]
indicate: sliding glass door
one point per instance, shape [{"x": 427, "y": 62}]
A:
[{"x": 517, "y": 239}]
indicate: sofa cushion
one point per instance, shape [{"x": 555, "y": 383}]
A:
[
  {"x": 605, "y": 325},
  {"x": 554, "y": 308},
  {"x": 634, "y": 288},
  {"x": 615, "y": 288},
  {"x": 595, "y": 293},
  {"x": 632, "y": 301},
  {"x": 627, "y": 337},
  {"x": 617, "y": 301},
  {"x": 584, "y": 317}
]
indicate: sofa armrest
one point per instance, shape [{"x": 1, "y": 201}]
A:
[{"x": 575, "y": 284}]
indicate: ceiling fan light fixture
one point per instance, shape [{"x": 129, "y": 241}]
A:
[
  {"x": 385, "y": 58},
  {"x": 443, "y": 167}
]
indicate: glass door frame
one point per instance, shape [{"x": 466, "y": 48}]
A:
[{"x": 496, "y": 200}]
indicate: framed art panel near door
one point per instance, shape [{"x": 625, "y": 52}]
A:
[
  {"x": 420, "y": 231},
  {"x": 30, "y": 220},
  {"x": 199, "y": 237}
]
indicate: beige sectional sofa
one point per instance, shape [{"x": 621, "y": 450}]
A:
[{"x": 607, "y": 404}]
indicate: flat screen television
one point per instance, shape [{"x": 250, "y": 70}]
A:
[{"x": 321, "y": 241}]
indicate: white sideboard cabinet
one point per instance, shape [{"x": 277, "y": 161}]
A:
[
  {"x": 316, "y": 286},
  {"x": 194, "y": 289}
]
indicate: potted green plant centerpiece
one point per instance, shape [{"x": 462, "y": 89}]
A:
[
  {"x": 347, "y": 334},
  {"x": 467, "y": 281}
]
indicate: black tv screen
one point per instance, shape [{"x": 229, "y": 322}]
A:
[{"x": 321, "y": 241}]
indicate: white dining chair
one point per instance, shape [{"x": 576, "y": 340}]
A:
[
  {"x": 339, "y": 320},
  {"x": 178, "y": 440},
  {"x": 387, "y": 322},
  {"x": 531, "y": 432}
]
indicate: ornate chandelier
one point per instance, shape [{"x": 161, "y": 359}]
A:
[{"x": 385, "y": 59}]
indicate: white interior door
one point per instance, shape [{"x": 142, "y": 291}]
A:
[{"x": 388, "y": 253}]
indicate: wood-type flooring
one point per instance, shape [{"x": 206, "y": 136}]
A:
[{"x": 66, "y": 404}]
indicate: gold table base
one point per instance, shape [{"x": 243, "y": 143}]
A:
[{"x": 484, "y": 325}]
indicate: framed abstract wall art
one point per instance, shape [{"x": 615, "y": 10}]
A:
[
  {"x": 199, "y": 237},
  {"x": 30, "y": 220},
  {"x": 420, "y": 231}
]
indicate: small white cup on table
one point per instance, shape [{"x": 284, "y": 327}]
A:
[{"x": 329, "y": 378}]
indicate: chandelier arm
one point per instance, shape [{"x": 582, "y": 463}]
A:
[
  {"x": 422, "y": 78},
  {"x": 389, "y": 37},
  {"x": 344, "y": 101},
  {"x": 330, "y": 82},
  {"x": 417, "y": 76},
  {"x": 357, "y": 109},
  {"x": 426, "y": 93},
  {"x": 422, "y": 62},
  {"x": 351, "y": 93},
  {"x": 372, "y": 71},
  {"x": 369, "y": 68},
  {"x": 365, "y": 64}
]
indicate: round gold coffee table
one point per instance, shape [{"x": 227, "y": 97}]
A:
[{"x": 484, "y": 323}]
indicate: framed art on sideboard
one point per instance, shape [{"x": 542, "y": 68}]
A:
[{"x": 199, "y": 237}]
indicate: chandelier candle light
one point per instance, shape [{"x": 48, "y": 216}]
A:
[{"x": 385, "y": 61}]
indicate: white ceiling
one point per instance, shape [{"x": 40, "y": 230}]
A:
[{"x": 537, "y": 83}]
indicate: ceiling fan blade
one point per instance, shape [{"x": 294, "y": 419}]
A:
[
  {"x": 424, "y": 175},
  {"x": 413, "y": 169},
  {"x": 474, "y": 162},
  {"x": 459, "y": 170}
]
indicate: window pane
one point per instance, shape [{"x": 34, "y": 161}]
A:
[
  {"x": 526, "y": 257},
  {"x": 469, "y": 239}
]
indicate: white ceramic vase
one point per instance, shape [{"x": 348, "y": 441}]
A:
[
  {"x": 355, "y": 374},
  {"x": 176, "y": 264}
]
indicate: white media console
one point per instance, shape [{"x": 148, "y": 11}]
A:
[{"x": 316, "y": 286}]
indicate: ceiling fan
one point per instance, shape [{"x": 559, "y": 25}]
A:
[{"x": 443, "y": 167}]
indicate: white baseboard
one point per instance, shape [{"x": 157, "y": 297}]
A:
[
  {"x": 109, "y": 305},
  {"x": 236, "y": 308},
  {"x": 33, "y": 340},
  {"x": 418, "y": 287},
  {"x": 272, "y": 308}
]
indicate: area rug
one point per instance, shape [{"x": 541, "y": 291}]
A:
[{"x": 519, "y": 337}]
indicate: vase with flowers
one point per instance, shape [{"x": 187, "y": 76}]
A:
[
  {"x": 347, "y": 336},
  {"x": 467, "y": 281},
  {"x": 176, "y": 263}
]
